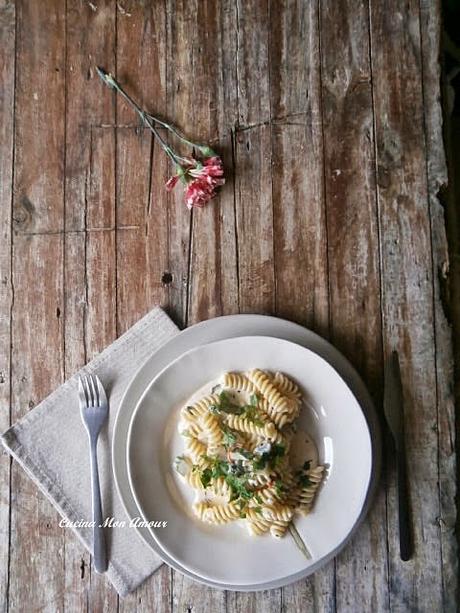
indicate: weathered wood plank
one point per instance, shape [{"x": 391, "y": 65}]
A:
[
  {"x": 431, "y": 28},
  {"x": 353, "y": 256},
  {"x": 40, "y": 112},
  {"x": 180, "y": 21},
  {"x": 142, "y": 216},
  {"x": 213, "y": 286},
  {"x": 37, "y": 358},
  {"x": 252, "y": 57},
  {"x": 90, "y": 42},
  {"x": 254, "y": 215},
  {"x": 37, "y": 349},
  {"x": 299, "y": 220},
  {"x": 7, "y": 68},
  {"x": 407, "y": 291}
]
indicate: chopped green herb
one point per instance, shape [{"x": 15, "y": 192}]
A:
[
  {"x": 229, "y": 437},
  {"x": 226, "y": 404},
  {"x": 240, "y": 487},
  {"x": 254, "y": 400},
  {"x": 206, "y": 476},
  {"x": 270, "y": 458},
  {"x": 279, "y": 487},
  {"x": 252, "y": 413},
  {"x": 304, "y": 481}
]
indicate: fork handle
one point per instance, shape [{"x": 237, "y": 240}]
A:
[{"x": 99, "y": 550}]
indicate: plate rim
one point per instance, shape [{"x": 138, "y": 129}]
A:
[
  {"x": 333, "y": 552},
  {"x": 277, "y": 327}
]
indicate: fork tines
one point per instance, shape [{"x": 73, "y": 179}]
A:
[{"x": 89, "y": 390}]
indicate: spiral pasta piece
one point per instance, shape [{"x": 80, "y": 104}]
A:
[
  {"x": 220, "y": 487},
  {"x": 260, "y": 479},
  {"x": 277, "y": 511},
  {"x": 193, "y": 429},
  {"x": 257, "y": 528},
  {"x": 286, "y": 386},
  {"x": 222, "y": 514},
  {"x": 243, "y": 424},
  {"x": 200, "y": 509},
  {"x": 237, "y": 381},
  {"x": 201, "y": 407},
  {"x": 257, "y": 524},
  {"x": 269, "y": 495},
  {"x": 306, "y": 495},
  {"x": 268, "y": 390},
  {"x": 211, "y": 426},
  {"x": 193, "y": 478},
  {"x": 278, "y": 528},
  {"x": 196, "y": 447}
]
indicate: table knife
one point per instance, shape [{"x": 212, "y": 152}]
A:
[{"x": 393, "y": 406}]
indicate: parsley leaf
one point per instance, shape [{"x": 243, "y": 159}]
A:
[
  {"x": 279, "y": 487},
  {"x": 270, "y": 458},
  {"x": 229, "y": 437},
  {"x": 226, "y": 404},
  {"x": 252, "y": 413},
  {"x": 206, "y": 476}
]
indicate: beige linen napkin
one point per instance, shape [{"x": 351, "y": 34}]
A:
[{"x": 50, "y": 443}]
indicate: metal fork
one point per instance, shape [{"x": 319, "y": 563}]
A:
[{"x": 94, "y": 409}]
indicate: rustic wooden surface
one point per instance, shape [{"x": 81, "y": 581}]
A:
[{"x": 327, "y": 116}]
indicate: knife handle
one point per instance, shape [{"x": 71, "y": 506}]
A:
[{"x": 405, "y": 536}]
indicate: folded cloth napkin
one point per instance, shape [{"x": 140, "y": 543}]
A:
[{"x": 50, "y": 443}]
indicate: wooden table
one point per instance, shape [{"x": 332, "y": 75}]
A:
[{"x": 327, "y": 116}]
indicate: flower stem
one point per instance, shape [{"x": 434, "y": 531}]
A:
[
  {"x": 202, "y": 148},
  {"x": 145, "y": 117}
]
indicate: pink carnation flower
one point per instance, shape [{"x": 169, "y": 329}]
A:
[{"x": 202, "y": 181}]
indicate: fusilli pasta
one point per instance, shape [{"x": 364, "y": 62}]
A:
[{"x": 238, "y": 441}]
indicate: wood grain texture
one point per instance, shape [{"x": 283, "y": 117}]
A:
[
  {"x": 353, "y": 257},
  {"x": 407, "y": 292},
  {"x": 328, "y": 118},
  {"x": 38, "y": 294},
  {"x": 39, "y": 117},
  {"x": 7, "y": 72},
  {"x": 37, "y": 273},
  {"x": 430, "y": 28}
]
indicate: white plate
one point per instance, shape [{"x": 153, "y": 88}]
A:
[
  {"x": 333, "y": 417},
  {"x": 230, "y": 326}
]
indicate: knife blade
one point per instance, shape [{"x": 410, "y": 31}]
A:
[{"x": 393, "y": 407}]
